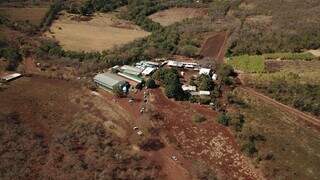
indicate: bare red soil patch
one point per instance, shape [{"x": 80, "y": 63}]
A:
[
  {"x": 214, "y": 46},
  {"x": 208, "y": 141}
]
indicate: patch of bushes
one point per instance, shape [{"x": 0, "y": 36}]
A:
[
  {"x": 225, "y": 74},
  {"x": 198, "y": 118},
  {"x": 152, "y": 144},
  {"x": 51, "y": 15},
  {"x": 13, "y": 56},
  {"x": 150, "y": 83},
  {"x": 90, "y": 6},
  {"x": 170, "y": 79},
  {"x": 224, "y": 119},
  {"x": 290, "y": 56},
  {"x": 289, "y": 90}
]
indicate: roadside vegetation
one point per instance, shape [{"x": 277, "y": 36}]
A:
[
  {"x": 278, "y": 147},
  {"x": 291, "y": 89},
  {"x": 306, "y": 56}
]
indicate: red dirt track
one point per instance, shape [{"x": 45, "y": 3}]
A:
[{"x": 214, "y": 46}]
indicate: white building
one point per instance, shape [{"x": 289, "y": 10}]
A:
[
  {"x": 205, "y": 71},
  {"x": 204, "y": 93},
  {"x": 148, "y": 71},
  {"x": 189, "y": 88},
  {"x": 214, "y": 77},
  {"x": 10, "y": 77},
  {"x": 175, "y": 64}
]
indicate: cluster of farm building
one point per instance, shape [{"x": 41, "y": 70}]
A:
[{"x": 127, "y": 77}]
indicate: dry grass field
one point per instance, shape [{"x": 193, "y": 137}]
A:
[
  {"x": 103, "y": 31},
  {"x": 32, "y": 14},
  {"x": 173, "y": 15}
]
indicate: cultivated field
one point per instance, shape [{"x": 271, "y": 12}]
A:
[
  {"x": 34, "y": 15},
  {"x": 102, "y": 32},
  {"x": 214, "y": 46},
  {"x": 173, "y": 15}
]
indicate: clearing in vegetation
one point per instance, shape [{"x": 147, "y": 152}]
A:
[
  {"x": 173, "y": 15},
  {"x": 34, "y": 15},
  {"x": 214, "y": 46},
  {"x": 102, "y": 32}
]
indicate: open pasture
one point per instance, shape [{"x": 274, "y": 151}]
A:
[{"x": 101, "y": 32}]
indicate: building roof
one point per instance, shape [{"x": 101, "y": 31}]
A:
[
  {"x": 131, "y": 77},
  {"x": 10, "y": 76},
  {"x": 207, "y": 93},
  {"x": 189, "y": 88},
  {"x": 175, "y": 64},
  {"x": 205, "y": 71},
  {"x": 148, "y": 71},
  {"x": 131, "y": 69},
  {"x": 108, "y": 79}
]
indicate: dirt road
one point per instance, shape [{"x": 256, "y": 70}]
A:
[{"x": 306, "y": 117}]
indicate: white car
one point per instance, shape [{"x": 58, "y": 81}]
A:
[
  {"x": 174, "y": 158},
  {"x": 140, "y": 133},
  {"x": 135, "y": 128}
]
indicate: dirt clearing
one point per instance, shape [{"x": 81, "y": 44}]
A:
[
  {"x": 102, "y": 32},
  {"x": 214, "y": 46},
  {"x": 173, "y": 15},
  {"x": 208, "y": 141}
]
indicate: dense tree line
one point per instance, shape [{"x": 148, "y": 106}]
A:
[
  {"x": 171, "y": 81},
  {"x": 54, "y": 9},
  {"x": 91, "y": 6}
]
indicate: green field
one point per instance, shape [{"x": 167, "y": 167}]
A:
[{"x": 249, "y": 64}]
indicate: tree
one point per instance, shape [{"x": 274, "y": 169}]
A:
[
  {"x": 174, "y": 90},
  {"x": 224, "y": 119},
  {"x": 205, "y": 83},
  {"x": 13, "y": 56},
  {"x": 188, "y": 50},
  {"x": 150, "y": 83},
  {"x": 219, "y": 8}
]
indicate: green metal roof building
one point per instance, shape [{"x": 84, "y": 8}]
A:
[{"x": 109, "y": 80}]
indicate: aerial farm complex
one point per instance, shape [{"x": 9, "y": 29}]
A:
[{"x": 159, "y": 90}]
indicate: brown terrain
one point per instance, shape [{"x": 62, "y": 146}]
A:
[
  {"x": 173, "y": 15},
  {"x": 208, "y": 142},
  {"x": 215, "y": 46}
]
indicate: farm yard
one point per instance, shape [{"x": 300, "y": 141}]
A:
[
  {"x": 101, "y": 32},
  {"x": 34, "y": 15},
  {"x": 170, "y": 16}
]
